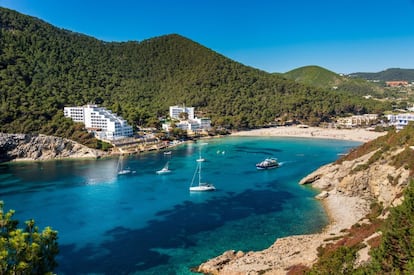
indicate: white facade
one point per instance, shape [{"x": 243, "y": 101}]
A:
[
  {"x": 189, "y": 125},
  {"x": 359, "y": 120},
  {"x": 175, "y": 112},
  {"x": 194, "y": 125},
  {"x": 400, "y": 120},
  {"x": 75, "y": 113},
  {"x": 102, "y": 122},
  {"x": 205, "y": 123}
]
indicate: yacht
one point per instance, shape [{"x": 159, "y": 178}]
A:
[{"x": 268, "y": 163}]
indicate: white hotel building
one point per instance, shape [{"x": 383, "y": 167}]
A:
[
  {"x": 175, "y": 112},
  {"x": 192, "y": 124},
  {"x": 400, "y": 120},
  {"x": 102, "y": 122}
]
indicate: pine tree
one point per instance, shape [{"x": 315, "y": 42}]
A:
[{"x": 26, "y": 251}]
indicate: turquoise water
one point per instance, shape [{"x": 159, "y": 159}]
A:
[{"x": 144, "y": 223}]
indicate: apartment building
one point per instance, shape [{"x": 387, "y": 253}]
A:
[
  {"x": 400, "y": 120},
  {"x": 100, "y": 121},
  {"x": 358, "y": 120},
  {"x": 175, "y": 112},
  {"x": 191, "y": 125}
]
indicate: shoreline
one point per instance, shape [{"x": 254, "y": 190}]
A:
[
  {"x": 342, "y": 212},
  {"x": 296, "y": 250},
  {"x": 357, "y": 134}
]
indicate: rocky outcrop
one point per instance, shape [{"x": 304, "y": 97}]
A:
[
  {"x": 347, "y": 190},
  {"x": 41, "y": 147},
  {"x": 379, "y": 181}
]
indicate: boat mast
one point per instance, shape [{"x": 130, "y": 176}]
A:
[{"x": 199, "y": 173}]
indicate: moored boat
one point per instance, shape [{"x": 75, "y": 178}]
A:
[
  {"x": 268, "y": 163},
  {"x": 121, "y": 169},
  {"x": 164, "y": 170},
  {"x": 201, "y": 186}
]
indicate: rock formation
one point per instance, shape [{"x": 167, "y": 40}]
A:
[
  {"x": 380, "y": 180},
  {"x": 41, "y": 147},
  {"x": 347, "y": 190}
]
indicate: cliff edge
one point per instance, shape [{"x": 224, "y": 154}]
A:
[{"x": 22, "y": 147}]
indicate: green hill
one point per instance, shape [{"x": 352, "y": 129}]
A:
[
  {"x": 315, "y": 76},
  {"x": 391, "y": 74},
  {"x": 43, "y": 69},
  {"x": 322, "y": 78}
]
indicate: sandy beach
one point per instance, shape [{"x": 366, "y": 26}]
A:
[{"x": 361, "y": 135}]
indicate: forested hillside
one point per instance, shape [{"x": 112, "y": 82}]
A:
[
  {"x": 388, "y": 75},
  {"x": 43, "y": 69},
  {"x": 322, "y": 78}
]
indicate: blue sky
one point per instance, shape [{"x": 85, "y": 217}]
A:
[{"x": 276, "y": 36}]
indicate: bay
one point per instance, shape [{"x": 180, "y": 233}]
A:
[{"x": 144, "y": 223}]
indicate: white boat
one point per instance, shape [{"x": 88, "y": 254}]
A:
[
  {"x": 120, "y": 168},
  {"x": 124, "y": 172},
  {"x": 167, "y": 153},
  {"x": 164, "y": 170},
  {"x": 200, "y": 186},
  {"x": 200, "y": 159},
  {"x": 268, "y": 163}
]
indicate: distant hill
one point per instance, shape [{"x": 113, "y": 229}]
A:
[
  {"x": 388, "y": 75},
  {"x": 322, "y": 78},
  {"x": 315, "y": 76},
  {"x": 43, "y": 69}
]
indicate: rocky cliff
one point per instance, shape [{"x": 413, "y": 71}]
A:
[
  {"x": 41, "y": 147},
  {"x": 347, "y": 190},
  {"x": 380, "y": 180}
]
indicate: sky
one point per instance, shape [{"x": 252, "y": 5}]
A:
[{"x": 343, "y": 36}]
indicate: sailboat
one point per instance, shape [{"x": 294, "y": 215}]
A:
[
  {"x": 202, "y": 186},
  {"x": 200, "y": 159},
  {"x": 164, "y": 170},
  {"x": 120, "y": 168}
]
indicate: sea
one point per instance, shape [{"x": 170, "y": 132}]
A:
[{"x": 145, "y": 223}]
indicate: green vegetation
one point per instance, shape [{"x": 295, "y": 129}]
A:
[
  {"x": 392, "y": 253},
  {"x": 395, "y": 255},
  {"x": 25, "y": 251},
  {"x": 322, "y": 78},
  {"x": 382, "y": 145},
  {"x": 391, "y": 74},
  {"x": 315, "y": 76},
  {"x": 43, "y": 69}
]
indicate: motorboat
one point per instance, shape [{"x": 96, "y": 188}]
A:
[{"x": 268, "y": 163}]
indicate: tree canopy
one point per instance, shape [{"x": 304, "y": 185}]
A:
[
  {"x": 43, "y": 69},
  {"x": 25, "y": 251}
]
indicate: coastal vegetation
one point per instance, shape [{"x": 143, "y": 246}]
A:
[
  {"x": 27, "y": 250},
  {"x": 43, "y": 69},
  {"x": 387, "y": 231},
  {"x": 392, "y": 140},
  {"x": 392, "y": 253}
]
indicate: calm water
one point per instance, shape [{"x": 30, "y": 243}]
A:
[{"x": 144, "y": 223}]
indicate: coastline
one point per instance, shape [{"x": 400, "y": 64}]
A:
[
  {"x": 299, "y": 250},
  {"x": 358, "y": 134}
]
